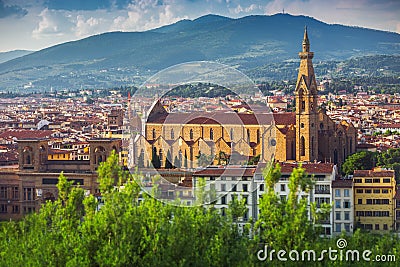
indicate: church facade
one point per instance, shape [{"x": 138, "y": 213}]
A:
[{"x": 306, "y": 135}]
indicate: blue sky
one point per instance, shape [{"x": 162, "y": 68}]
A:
[{"x": 37, "y": 24}]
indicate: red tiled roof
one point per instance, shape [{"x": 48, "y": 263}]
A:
[
  {"x": 311, "y": 168},
  {"x": 371, "y": 173},
  {"x": 286, "y": 118},
  {"x": 228, "y": 171},
  {"x": 26, "y": 134},
  {"x": 342, "y": 183},
  {"x": 219, "y": 118}
]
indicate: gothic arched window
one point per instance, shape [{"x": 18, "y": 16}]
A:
[{"x": 302, "y": 146}]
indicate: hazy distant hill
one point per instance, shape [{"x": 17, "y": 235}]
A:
[
  {"x": 6, "y": 56},
  {"x": 119, "y": 58}
]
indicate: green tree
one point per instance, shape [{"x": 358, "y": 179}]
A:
[
  {"x": 141, "y": 159},
  {"x": 155, "y": 159},
  {"x": 364, "y": 160},
  {"x": 284, "y": 223},
  {"x": 168, "y": 164}
]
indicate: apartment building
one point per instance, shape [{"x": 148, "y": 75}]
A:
[{"x": 374, "y": 206}]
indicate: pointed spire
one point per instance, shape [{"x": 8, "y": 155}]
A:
[{"x": 306, "y": 42}]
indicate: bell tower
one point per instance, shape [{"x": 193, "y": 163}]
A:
[{"x": 306, "y": 106}]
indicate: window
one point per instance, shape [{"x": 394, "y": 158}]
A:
[
  {"x": 283, "y": 187},
  {"x": 223, "y": 200},
  {"x": 346, "y": 204},
  {"x": 385, "y": 201},
  {"x": 246, "y": 199},
  {"x": 302, "y": 146},
  {"x": 385, "y": 191},
  {"x": 337, "y": 215},
  {"x": 15, "y": 193},
  {"x": 376, "y": 226},
  {"x": 369, "y": 201},
  {"x": 211, "y": 134},
  {"x": 368, "y": 180},
  {"x": 191, "y": 134},
  {"x": 234, "y": 188},
  {"x": 386, "y": 180},
  {"x": 385, "y": 226},
  {"x": 154, "y": 134},
  {"x": 337, "y": 192},
  {"x": 3, "y": 192},
  {"x": 3, "y": 208},
  {"x": 231, "y": 134},
  {"x": 15, "y": 209},
  {"x": 377, "y": 180},
  {"x": 338, "y": 227},
  {"x": 248, "y": 135},
  {"x": 359, "y": 201},
  {"x": 368, "y": 191},
  {"x": 223, "y": 187},
  {"x": 28, "y": 193},
  {"x": 359, "y": 191},
  {"x": 337, "y": 204},
  {"x": 347, "y": 227},
  {"x": 172, "y": 134},
  {"x": 358, "y": 180},
  {"x": 346, "y": 216},
  {"x": 261, "y": 187},
  {"x": 377, "y": 191},
  {"x": 245, "y": 189},
  {"x": 346, "y": 192}
]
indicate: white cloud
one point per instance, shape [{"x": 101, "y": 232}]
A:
[{"x": 47, "y": 25}]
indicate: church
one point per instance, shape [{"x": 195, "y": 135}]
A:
[{"x": 306, "y": 135}]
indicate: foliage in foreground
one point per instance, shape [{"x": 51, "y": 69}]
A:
[{"x": 133, "y": 231}]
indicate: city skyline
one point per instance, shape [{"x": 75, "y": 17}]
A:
[{"x": 34, "y": 25}]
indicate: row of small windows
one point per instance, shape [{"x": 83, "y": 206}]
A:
[
  {"x": 346, "y": 193},
  {"x": 376, "y": 201},
  {"x": 211, "y": 134},
  {"x": 376, "y": 213},
  {"x": 346, "y": 217},
  {"x": 372, "y": 180},
  {"x": 369, "y": 226},
  {"x": 346, "y": 204},
  {"x": 375, "y": 191}
]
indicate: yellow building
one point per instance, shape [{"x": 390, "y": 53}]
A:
[
  {"x": 306, "y": 135},
  {"x": 374, "y": 204},
  {"x": 58, "y": 154}
]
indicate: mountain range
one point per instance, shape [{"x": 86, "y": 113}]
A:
[{"x": 122, "y": 58}]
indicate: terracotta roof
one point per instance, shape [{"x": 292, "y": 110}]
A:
[
  {"x": 342, "y": 183},
  {"x": 311, "y": 168},
  {"x": 219, "y": 118},
  {"x": 26, "y": 134},
  {"x": 228, "y": 171},
  {"x": 286, "y": 118},
  {"x": 372, "y": 173}
]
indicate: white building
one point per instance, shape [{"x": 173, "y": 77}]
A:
[{"x": 343, "y": 208}]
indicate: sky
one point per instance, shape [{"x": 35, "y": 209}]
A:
[{"x": 37, "y": 24}]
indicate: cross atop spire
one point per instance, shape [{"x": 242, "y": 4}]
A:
[{"x": 306, "y": 42}]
